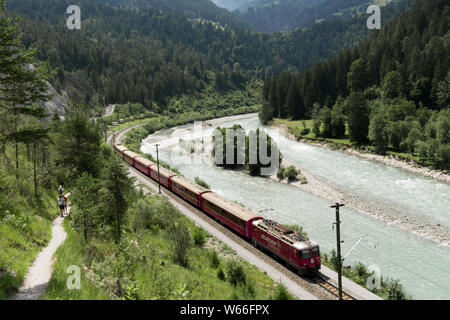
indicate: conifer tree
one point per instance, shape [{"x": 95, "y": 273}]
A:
[
  {"x": 118, "y": 185},
  {"x": 358, "y": 117},
  {"x": 22, "y": 86}
]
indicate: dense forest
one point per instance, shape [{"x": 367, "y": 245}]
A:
[
  {"x": 141, "y": 56},
  {"x": 194, "y": 9},
  {"x": 148, "y": 55},
  {"x": 286, "y": 15},
  {"x": 390, "y": 87}
]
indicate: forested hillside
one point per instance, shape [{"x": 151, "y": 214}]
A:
[
  {"x": 387, "y": 87},
  {"x": 141, "y": 56},
  {"x": 162, "y": 50},
  {"x": 286, "y": 15},
  {"x": 303, "y": 48},
  {"x": 195, "y": 9},
  {"x": 270, "y": 15}
]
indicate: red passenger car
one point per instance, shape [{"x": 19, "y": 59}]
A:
[
  {"x": 229, "y": 213},
  {"x": 292, "y": 247},
  {"x": 188, "y": 190},
  {"x": 120, "y": 149}
]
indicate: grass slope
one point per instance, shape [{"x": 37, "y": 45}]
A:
[{"x": 25, "y": 223}]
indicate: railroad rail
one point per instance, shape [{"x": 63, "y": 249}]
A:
[{"x": 334, "y": 290}]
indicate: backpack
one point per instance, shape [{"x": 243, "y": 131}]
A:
[{"x": 60, "y": 201}]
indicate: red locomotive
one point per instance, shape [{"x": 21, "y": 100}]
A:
[{"x": 295, "y": 249}]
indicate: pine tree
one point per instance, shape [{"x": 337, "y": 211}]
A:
[
  {"x": 273, "y": 97},
  {"x": 358, "y": 117},
  {"x": 266, "y": 113},
  {"x": 357, "y": 77},
  {"x": 78, "y": 143},
  {"x": 393, "y": 85},
  {"x": 295, "y": 107},
  {"x": 86, "y": 204},
  {"x": 338, "y": 126},
  {"x": 378, "y": 131},
  {"x": 118, "y": 185},
  {"x": 22, "y": 86}
]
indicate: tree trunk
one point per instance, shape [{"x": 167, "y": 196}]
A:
[
  {"x": 35, "y": 171},
  {"x": 17, "y": 144},
  {"x": 85, "y": 228},
  {"x": 17, "y": 160},
  {"x": 118, "y": 226}
]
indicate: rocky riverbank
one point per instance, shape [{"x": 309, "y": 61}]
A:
[
  {"x": 321, "y": 189},
  {"x": 388, "y": 160}
]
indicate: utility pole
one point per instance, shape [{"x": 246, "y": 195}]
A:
[
  {"x": 338, "y": 242},
  {"x": 157, "y": 160}
]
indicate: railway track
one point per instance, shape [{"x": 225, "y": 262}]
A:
[{"x": 334, "y": 290}]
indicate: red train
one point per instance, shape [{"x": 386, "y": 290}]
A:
[{"x": 295, "y": 249}]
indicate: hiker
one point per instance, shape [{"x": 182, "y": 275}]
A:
[
  {"x": 61, "y": 205},
  {"x": 60, "y": 190},
  {"x": 65, "y": 203}
]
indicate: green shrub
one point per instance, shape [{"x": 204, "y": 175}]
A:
[
  {"x": 199, "y": 236},
  {"x": 221, "y": 274},
  {"x": 214, "y": 260},
  {"x": 303, "y": 180},
  {"x": 291, "y": 173},
  {"x": 202, "y": 183},
  {"x": 281, "y": 174},
  {"x": 281, "y": 293},
  {"x": 235, "y": 273},
  {"x": 151, "y": 213},
  {"x": 179, "y": 234}
]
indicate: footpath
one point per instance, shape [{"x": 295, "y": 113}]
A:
[{"x": 39, "y": 274}]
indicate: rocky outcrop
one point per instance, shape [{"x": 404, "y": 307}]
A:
[{"x": 76, "y": 89}]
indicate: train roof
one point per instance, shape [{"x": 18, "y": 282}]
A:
[
  {"x": 146, "y": 162},
  {"x": 230, "y": 206},
  {"x": 121, "y": 147},
  {"x": 130, "y": 153},
  {"x": 286, "y": 234},
  {"x": 197, "y": 189},
  {"x": 164, "y": 172}
]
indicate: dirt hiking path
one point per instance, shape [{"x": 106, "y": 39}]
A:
[{"x": 39, "y": 274}]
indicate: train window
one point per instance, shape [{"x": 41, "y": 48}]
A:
[
  {"x": 315, "y": 252},
  {"x": 306, "y": 254}
]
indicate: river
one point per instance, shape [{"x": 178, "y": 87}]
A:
[{"x": 422, "y": 265}]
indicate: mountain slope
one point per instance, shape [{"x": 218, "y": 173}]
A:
[
  {"x": 150, "y": 55},
  {"x": 391, "y": 91},
  {"x": 193, "y": 9},
  {"x": 231, "y": 4},
  {"x": 302, "y": 48},
  {"x": 285, "y": 15},
  {"x": 145, "y": 55}
]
